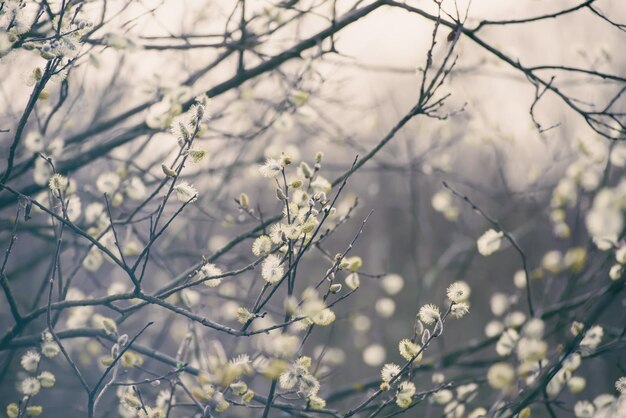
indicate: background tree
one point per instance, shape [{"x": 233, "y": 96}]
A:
[{"x": 312, "y": 207}]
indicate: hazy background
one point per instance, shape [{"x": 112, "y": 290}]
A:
[{"x": 490, "y": 151}]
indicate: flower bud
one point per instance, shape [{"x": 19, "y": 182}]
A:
[
  {"x": 34, "y": 410},
  {"x": 285, "y": 160},
  {"x": 243, "y": 201},
  {"x": 296, "y": 184},
  {"x": 306, "y": 170},
  {"x": 239, "y": 388},
  {"x": 13, "y": 411},
  {"x": 438, "y": 328},
  {"x": 168, "y": 171},
  {"x": 109, "y": 326},
  {"x": 247, "y": 397},
  {"x": 122, "y": 340},
  {"x": 46, "y": 379},
  {"x": 280, "y": 194}
]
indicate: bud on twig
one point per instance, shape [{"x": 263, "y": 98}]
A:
[
  {"x": 168, "y": 171},
  {"x": 438, "y": 328},
  {"x": 280, "y": 194}
]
